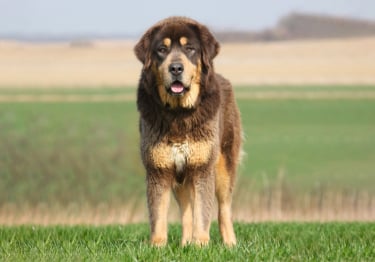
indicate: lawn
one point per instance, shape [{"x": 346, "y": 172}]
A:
[{"x": 256, "y": 242}]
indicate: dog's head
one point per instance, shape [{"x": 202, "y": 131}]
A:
[{"x": 177, "y": 52}]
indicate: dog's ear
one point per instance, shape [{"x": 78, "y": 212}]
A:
[
  {"x": 210, "y": 46},
  {"x": 143, "y": 48}
]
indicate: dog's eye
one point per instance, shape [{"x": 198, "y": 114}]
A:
[
  {"x": 190, "y": 50},
  {"x": 162, "y": 50}
]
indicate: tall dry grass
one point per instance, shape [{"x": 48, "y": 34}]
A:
[
  {"x": 341, "y": 61},
  {"x": 278, "y": 201},
  {"x": 275, "y": 201},
  {"x": 271, "y": 204},
  {"x": 68, "y": 65}
]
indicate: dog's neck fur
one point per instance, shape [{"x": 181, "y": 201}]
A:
[{"x": 174, "y": 120}]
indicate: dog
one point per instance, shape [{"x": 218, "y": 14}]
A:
[{"x": 190, "y": 130}]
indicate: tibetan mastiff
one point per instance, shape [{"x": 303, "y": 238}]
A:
[{"x": 190, "y": 130}]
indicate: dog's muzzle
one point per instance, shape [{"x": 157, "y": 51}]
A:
[{"x": 177, "y": 88}]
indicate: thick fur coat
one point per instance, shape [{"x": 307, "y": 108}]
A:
[{"x": 190, "y": 130}]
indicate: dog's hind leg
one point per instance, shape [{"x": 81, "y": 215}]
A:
[{"x": 224, "y": 197}]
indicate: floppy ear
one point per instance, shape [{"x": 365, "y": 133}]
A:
[
  {"x": 210, "y": 46},
  {"x": 143, "y": 48}
]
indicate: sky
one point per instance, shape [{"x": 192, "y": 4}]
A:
[{"x": 132, "y": 18}]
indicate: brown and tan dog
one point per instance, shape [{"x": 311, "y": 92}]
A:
[{"x": 190, "y": 130}]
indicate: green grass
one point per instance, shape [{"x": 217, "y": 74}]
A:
[
  {"x": 256, "y": 242},
  {"x": 58, "y": 152},
  {"x": 313, "y": 142},
  {"x": 88, "y": 152}
]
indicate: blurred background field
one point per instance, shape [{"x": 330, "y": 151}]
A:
[
  {"x": 112, "y": 63},
  {"x": 77, "y": 161},
  {"x": 306, "y": 90}
]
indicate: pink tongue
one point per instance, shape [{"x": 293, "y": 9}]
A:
[{"x": 177, "y": 87}]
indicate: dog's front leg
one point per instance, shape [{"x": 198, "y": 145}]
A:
[
  {"x": 202, "y": 200},
  {"x": 183, "y": 196},
  {"x": 158, "y": 197}
]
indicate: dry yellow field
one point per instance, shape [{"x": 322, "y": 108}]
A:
[{"x": 349, "y": 61}]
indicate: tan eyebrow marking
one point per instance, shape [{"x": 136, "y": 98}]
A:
[
  {"x": 183, "y": 40},
  {"x": 167, "y": 42}
]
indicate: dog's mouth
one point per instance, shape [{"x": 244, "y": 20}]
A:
[{"x": 177, "y": 88}]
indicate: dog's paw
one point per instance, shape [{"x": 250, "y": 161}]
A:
[
  {"x": 201, "y": 241},
  {"x": 186, "y": 241},
  {"x": 230, "y": 242},
  {"x": 158, "y": 241}
]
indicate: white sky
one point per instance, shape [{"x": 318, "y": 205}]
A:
[{"x": 121, "y": 17}]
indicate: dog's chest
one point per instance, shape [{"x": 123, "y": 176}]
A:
[{"x": 180, "y": 155}]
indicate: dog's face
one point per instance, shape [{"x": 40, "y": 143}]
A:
[
  {"x": 177, "y": 52},
  {"x": 177, "y": 65}
]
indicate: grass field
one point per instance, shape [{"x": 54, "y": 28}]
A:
[
  {"x": 71, "y": 179},
  {"x": 256, "y": 242},
  {"x": 78, "y": 162}
]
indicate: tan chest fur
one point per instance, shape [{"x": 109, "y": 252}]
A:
[{"x": 179, "y": 155}]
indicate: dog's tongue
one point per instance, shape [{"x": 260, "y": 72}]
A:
[{"x": 177, "y": 87}]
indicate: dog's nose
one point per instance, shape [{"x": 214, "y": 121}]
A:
[{"x": 176, "y": 68}]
